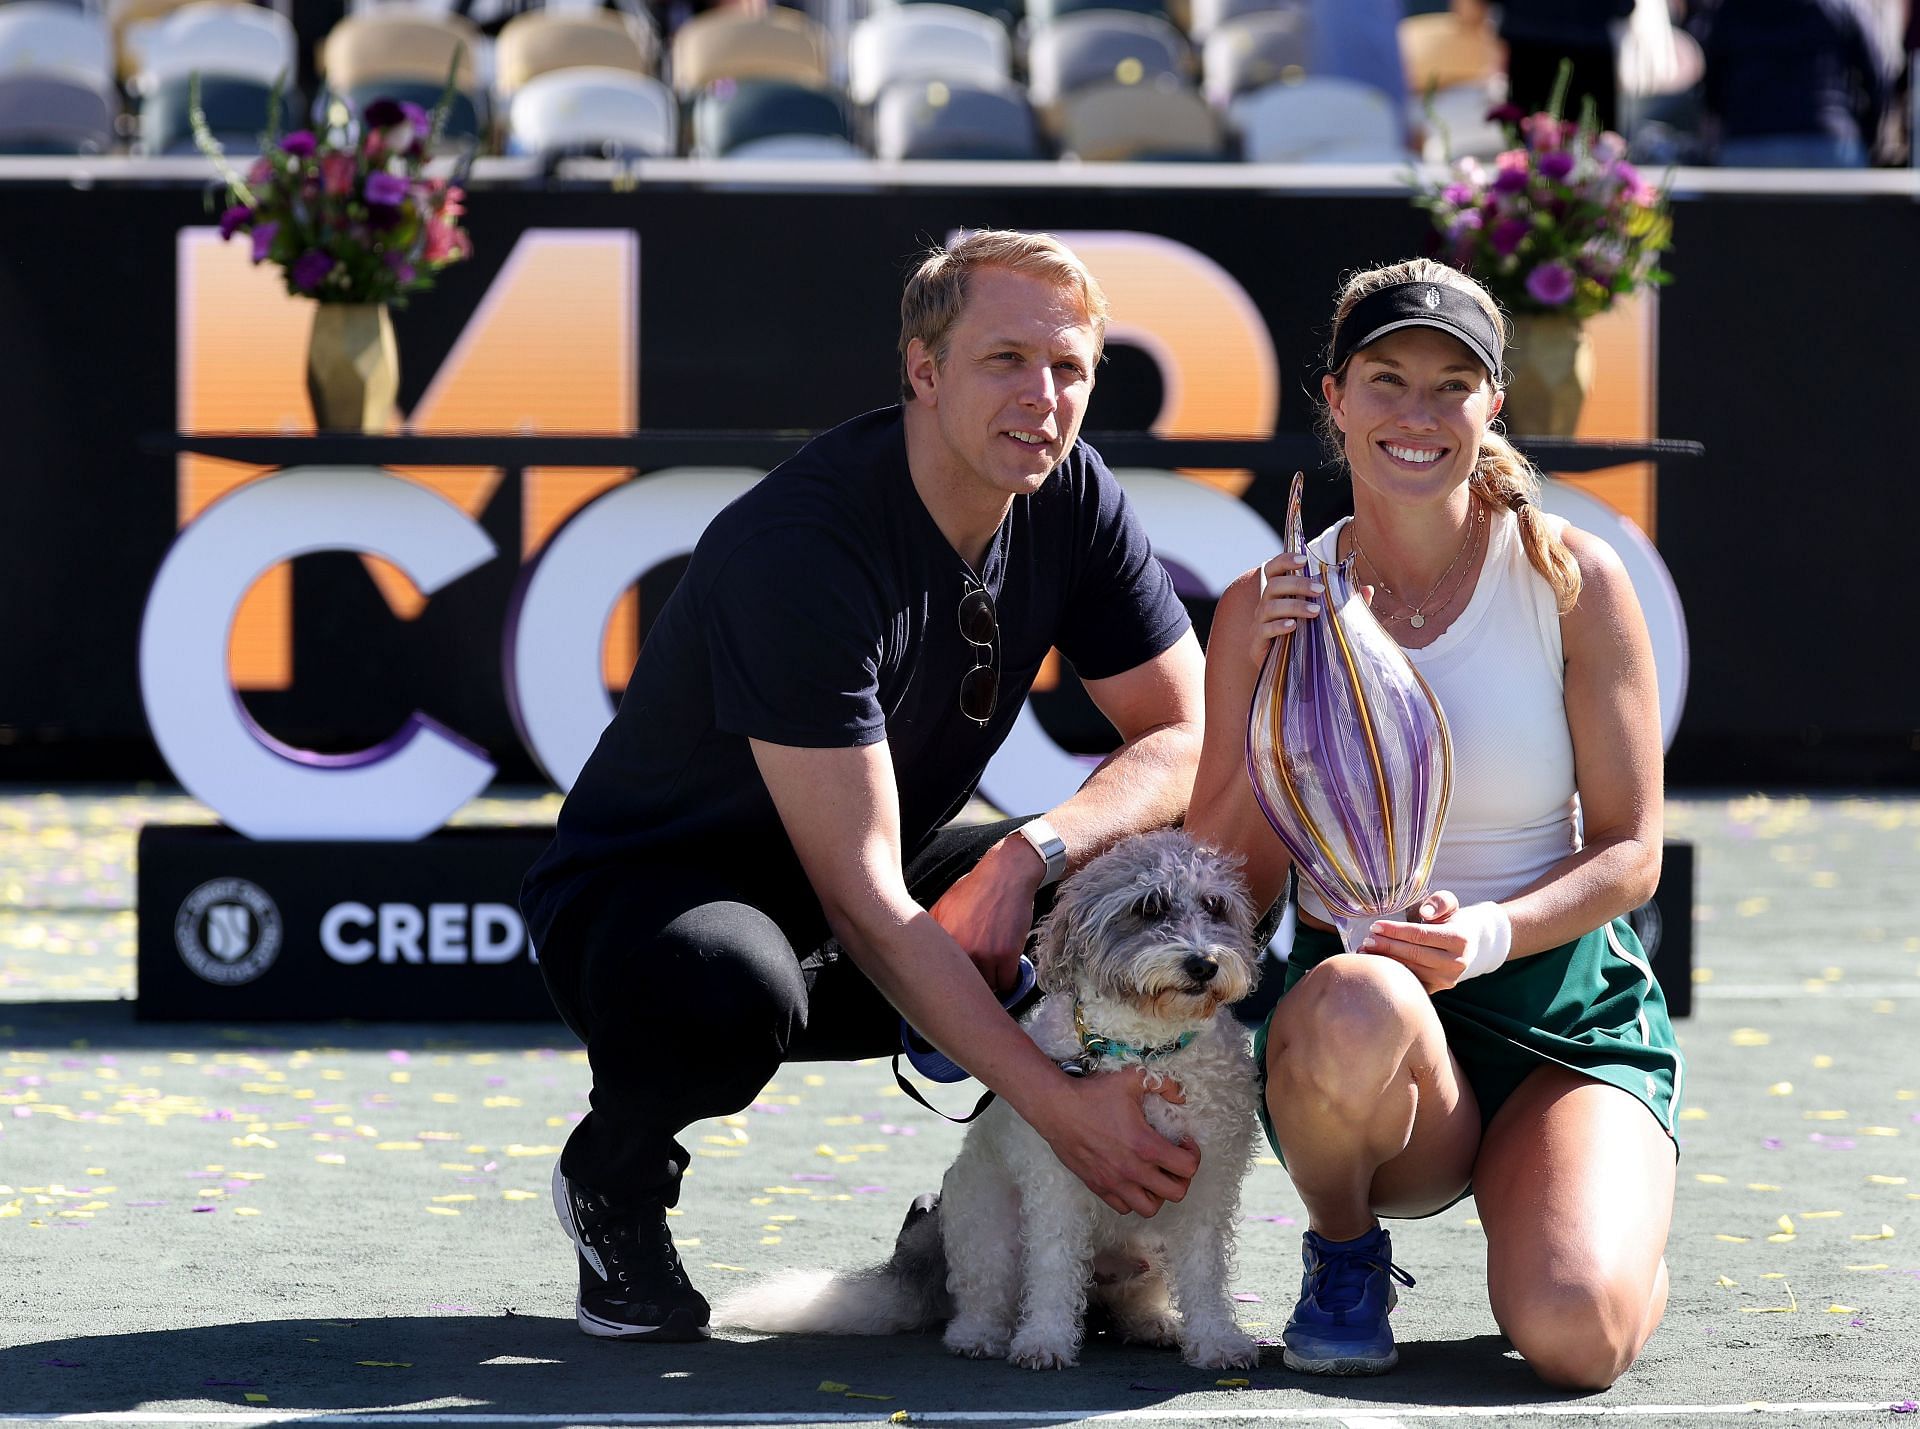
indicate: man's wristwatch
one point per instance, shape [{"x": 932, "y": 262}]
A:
[{"x": 1049, "y": 845}]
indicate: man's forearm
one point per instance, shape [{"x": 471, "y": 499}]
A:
[{"x": 1144, "y": 784}]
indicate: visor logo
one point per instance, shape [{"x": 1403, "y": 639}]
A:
[{"x": 1431, "y": 297}]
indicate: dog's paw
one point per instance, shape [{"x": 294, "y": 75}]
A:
[
  {"x": 1033, "y": 1351},
  {"x": 1161, "y": 1331},
  {"x": 976, "y": 1339},
  {"x": 1229, "y": 1350}
]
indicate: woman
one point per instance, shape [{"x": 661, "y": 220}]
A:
[{"x": 1506, "y": 1036}]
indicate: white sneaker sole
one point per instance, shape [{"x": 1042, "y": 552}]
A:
[{"x": 590, "y": 1323}]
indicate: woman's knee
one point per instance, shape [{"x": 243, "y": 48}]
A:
[
  {"x": 1350, "y": 1005},
  {"x": 1576, "y": 1334}
]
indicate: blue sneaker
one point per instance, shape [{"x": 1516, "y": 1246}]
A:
[{"x": 1340, "y": 1325}]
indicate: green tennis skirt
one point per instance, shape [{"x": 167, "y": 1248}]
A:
[{"x": 1591, "y": 1005}]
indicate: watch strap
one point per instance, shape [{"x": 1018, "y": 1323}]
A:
[{"x": 1046, "y": 842}]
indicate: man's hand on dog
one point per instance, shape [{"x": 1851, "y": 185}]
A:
[
  {"x": 1102, "y": 1136},
  {"x": 989, "y": 911}
]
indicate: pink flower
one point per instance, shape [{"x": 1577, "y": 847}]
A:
[
  {"x": 337, "y": 174},
  {"x": 260, "y": 170}
]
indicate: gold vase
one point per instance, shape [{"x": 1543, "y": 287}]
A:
[
  {"x": 353, "y": 367},
  {"x": 1551, "y": 363}
]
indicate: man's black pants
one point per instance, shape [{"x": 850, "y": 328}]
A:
[{"x": 691, "y": 983}]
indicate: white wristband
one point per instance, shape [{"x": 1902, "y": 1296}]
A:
[{"x": 1489, "y": 934}]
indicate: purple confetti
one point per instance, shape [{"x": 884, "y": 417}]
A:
[
  {"x": 816, "y": 1176},
  {"x": 869, "y": 1190},
  {"x": 202, "y": 1210},
  {"x": 1905, "y": 1406},
  {"x": 1247, "y": 1297},
  {"x": 63, "y": 1364},
  {"x": 1773, "y": 1143}
]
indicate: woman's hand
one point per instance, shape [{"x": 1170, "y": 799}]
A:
[
  {"x": 1449, "y": 945},
  {"x": 1286, "y": 598}
]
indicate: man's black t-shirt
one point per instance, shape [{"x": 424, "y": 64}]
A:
[{"x": 821, "y": 610}]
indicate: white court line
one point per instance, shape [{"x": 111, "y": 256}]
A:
[
  {"x": 1813, "y": 991},
  {"x": 1378, "y": 1417}
]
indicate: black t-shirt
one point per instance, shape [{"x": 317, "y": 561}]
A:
[{"x": 821, "y": 609}]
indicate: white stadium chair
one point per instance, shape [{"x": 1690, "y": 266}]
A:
[
  {"x": 212, "y": 37},
  {"x": 925, "y": 42},
  {"x": 1319, "y": 121},
  {"x": 38, "y": 37},
  {"x": 589, "y": 107}
]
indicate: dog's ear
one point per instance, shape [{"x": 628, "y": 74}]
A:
[{"x": 1050, "y": 942}]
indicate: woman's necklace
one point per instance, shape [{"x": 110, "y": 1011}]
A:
[{"x": 1416, "y": 611}]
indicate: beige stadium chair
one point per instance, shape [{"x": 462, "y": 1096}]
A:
[
  {"x": 541, "y": 41},
  {"x": 728, "y": 44},
  {"x": 395, "y": 44},
  {"x": 129, "y": 19},
  {"x": 1113, "y": 122},
  {"x": 1445, "y": 50}
]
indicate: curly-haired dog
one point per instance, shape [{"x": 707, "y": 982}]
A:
[{"x": 1145, "y": 949}]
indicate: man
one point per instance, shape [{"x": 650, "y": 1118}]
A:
[{"x": 754, "y": 867}]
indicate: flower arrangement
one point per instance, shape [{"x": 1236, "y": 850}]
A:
[
  {"x": 350, "y": 217},
  {"x": 1562, "y": 223}
]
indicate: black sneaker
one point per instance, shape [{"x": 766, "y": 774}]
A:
[{"x": 632, "y": 1285}]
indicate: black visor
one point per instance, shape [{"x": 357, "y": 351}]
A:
[{"x": 1435, "y": 305}]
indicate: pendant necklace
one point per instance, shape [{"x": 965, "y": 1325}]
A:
[{"x": 1417, "y": 617}]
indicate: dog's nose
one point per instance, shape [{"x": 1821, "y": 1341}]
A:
[{"x": 1199, "y": 969}]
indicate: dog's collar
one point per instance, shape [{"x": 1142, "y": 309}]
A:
[{"x": 1094, "y": 1045}]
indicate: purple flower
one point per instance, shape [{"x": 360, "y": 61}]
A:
[
  {"x": 1459, "y": 195},
  {"x": 310, "y": 268},
  {"x": 1551, "y": 284},
  {"x": 1556, "y": 165},
  {"x": 263, "y": 236},
  {"x": 421, "y": 120},
  {"x": 385, "y": 190},
  {"x": 1512, "y": 177},
  {"x": 1505, "y": 114},
  {"x": 1506, "y": 235},
  {"x": 384, "y": 114},
  {"x": 232, "y": 220},
  {"x": 299, "y": 143},
  {"x": 403, "y": 272}
]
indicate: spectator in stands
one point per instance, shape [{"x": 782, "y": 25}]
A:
[
  {"x": 1793, "y": 83},
  {"x": 851, "y": 642},
  {"x": 1540, "y": 34}
]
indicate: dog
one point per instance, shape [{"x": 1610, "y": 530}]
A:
[{"x": 1145, "y": 949}]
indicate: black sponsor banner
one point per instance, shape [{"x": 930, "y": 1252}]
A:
[{"x": 235, "y": 929}]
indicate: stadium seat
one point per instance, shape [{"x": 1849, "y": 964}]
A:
[
  {"x": 1008, "y": 13},
  {"x": 1096, "y": 47},
  {"x": 216, "y": 37},
  {"x": 39, "y": 37},
  {"x": 1164, "y": 120},
  {"x": 236, "y": 109},
  {"x": 539, "y": 42},
  {"x": 799, "y": 146},
  {"x": 730, "y": 114},
  {"x": 400, "y": 44},
  {"x": 938, "y": 119},
  {"x": 1456, "y": 123},
  {"x": 54, "y": 114},
  {"x": 1441, "y": 51},
  {"x": 1318, "y": 121},
  {"x": 1041, "y": 13},
  {"x": 591, "y": 109},
  {"x": 1209, "y": 15},
  {"x": 1259, "y": 48},
  {"x": 925, "y": 42},
  {"x": 126, "y": 18},
  {"x": 730, "y": 44}
]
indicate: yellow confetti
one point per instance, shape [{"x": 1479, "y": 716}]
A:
[
  {"x": 686, "y": 1243},
  {"x": 1752, "y": 907},
  {"x": 1734, "y": 1239},
  {"x": 1886, "y": 1233},
  {"x": 1785, "y": 1223},
  {"x": 1750, "y": 1037},
  {"x": 253, "y": 1398},
  {"x": 1823, "y": 1061},
  {"x": 246, "y": 1210},
  {"x": 519, "y": 1195},
  {"x": 1781, "y": 1237},
  {"x": 331, "y": 1158},
  {"x": 1881, "y": 1266},
  {"x": 814, "y": 1079},
  {"x": 1726, "y": 1284},
  {"x": 1887, "y": 1180},
  {"x": 1843, "y": 1310},
  {"x": 1232, "y": 1383},
  {"x": 1780, "y": 1089},
  {"x": 1761, "y": 1186},
  {"x": 1879, "y": 1131},
  {"x": 900, "y": 1416},
  {"x": 398, "y": 1146},
  {"x": 832, "y": 1386},
  {"x": 1818, "y": 1215},
  {"x": 516, "y": 1149},
  {"x": 855, "y": 1394},
  {"x": 458, "y": 1196},
  {"x": 442, "y": 1211},
  {"x": 721, "y": 1265},
  {"x": 769, "y": 1240},
  {"x": 1787, "y": 1309},
  {"x": 1709, "y": 1178},
  {"x": 1883, "y": 1006},
  {"x": 1692, "y": 1113}
]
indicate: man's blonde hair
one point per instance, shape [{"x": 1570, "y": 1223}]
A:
[{"x": 936, "y": 294}]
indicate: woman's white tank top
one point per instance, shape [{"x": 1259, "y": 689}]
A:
[{"x": 1499, "y": 674}]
